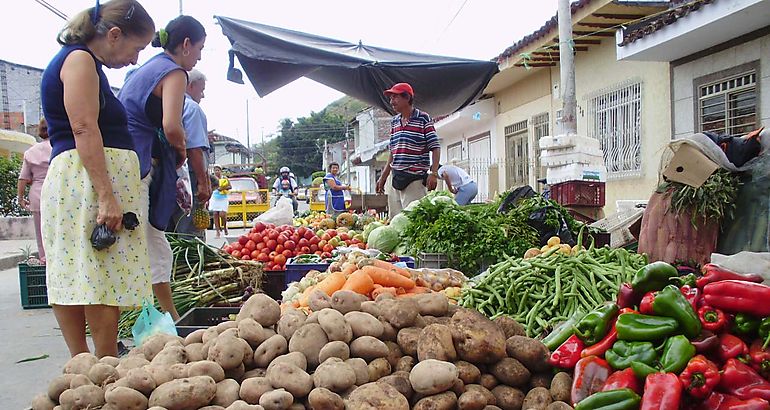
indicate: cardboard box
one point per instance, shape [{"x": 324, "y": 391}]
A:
[{"x": 689, "y": 166}]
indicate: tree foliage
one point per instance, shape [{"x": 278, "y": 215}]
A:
[
  {"x": 300, "y": 144},
  {"x": 9, "y": 175}
]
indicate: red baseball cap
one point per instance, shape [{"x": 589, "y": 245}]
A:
[{"x": 400, "y": 88}]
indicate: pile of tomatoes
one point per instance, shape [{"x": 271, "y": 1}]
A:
[{"x": 274, "y": 245}]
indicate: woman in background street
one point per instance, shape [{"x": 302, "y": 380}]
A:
[
  {"x": 33, "y": 172},
  {"x": 219, "y": 203},
  {"x": 335, "y": 191},
  {"x": 154, "y": 98},
  {"x": 93, "y": 177}
]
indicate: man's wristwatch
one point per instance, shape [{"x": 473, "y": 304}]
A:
[{"x": 434, "y": 173}]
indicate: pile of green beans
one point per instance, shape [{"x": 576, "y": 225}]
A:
[{"x": 547, "y": 289}]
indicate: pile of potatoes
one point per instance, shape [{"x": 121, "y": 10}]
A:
[{"x": 350, "y": 353}]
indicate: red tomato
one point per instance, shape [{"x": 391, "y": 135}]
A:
[
  {"x": 236, "y": 254},
  {"x": 287, "y": 254},
  {"x": 227, "y": 248},
  {"x": 257, "y": 237},
  {"x": 309, "y": 235},
  {"x": 237, "y": 246},
  {"x": 322, "y": 243},
  {"x": 282, "y": 238},
  {"x": 250, "y": 245},
  {"x": 326, "y": 255},
  {"x": 243, "y": 239},
  {"x": 272, "y": 234},
  {"x": 245, "y": 258},
  {"x": 313, "y": 248},
  {"x": 259, "y": 227},
  {"x": 318, "y": 253},
  {"x": 332, "y": 232},
  {"x": 272, "y": 254},
  {"x": 279, "y": 248},
  {"x": 280, "y": 260},
  {"x": 344, "y": 236},
  {"x": 270, "y": 226},
  {"x": 328, "y": 248},
  {"x": 262, "y": 257},
  {"x": 294, "y": 238},
  {"x": 305, "y": 249},
  {"x": 314, "y": 240},
  {"x": 303, "y": 242},
  {"x": 260, "y": 246},
  {"x": 254, "y": 255},
  {"x": 326, "y": 236},
  {"x": 290, "y": 245},
  {"x": 301, "y": 231},
  {"x": 271, "y": 244}
]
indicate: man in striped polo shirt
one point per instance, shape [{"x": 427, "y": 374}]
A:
[{"x": 414, "y": 152}]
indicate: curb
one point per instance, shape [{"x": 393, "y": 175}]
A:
[{"x": 11, "y": 260}]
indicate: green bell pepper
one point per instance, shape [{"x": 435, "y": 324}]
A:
[
  {"x": 671, "y": 302},
  {"x": 764, "y": 331},
  {"x": 653, "y": 277},
  {"x": 595, "y": 325},
  {"x": 623, "y": 353},
  {"x": 621, "y": 399},
  {"x": 634, "y": 327},
  {"x": 687, "y": 280},
  {"x": 562, "y": 332},
  {"x": 745, "y": 324},
  {"x": 676, "y": 353}
]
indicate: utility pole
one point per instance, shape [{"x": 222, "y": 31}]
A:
[
  {"x": 567, "y": 70},
  {"x": 180, "y": 7},
  {"x": 347, "y": 154}
]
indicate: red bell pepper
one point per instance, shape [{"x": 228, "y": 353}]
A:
[
  {"x": 719, "y": 401},
  {"x": 700, "y": 377},
  {"x": 623, "y": 379},
  {"x": 645, "y": 306},
  {"x": 712, "y": 319},
  {"x": 760, "y": 358},
  {"x": 714, "y": 273},
  {"x": 692, "y": 294},
  {"x": 608, "y": 340},
  {"x": 662, "y": 391},
  {"x": 626, "y": 296},
  {"x": 731, "y": 347},
  {"x": 568, "y": 354},
  {"x": 743, "y": 382},
  {"x": 738, "y": 297},
  {"x": 706, "y": 342},
  {"x": 590, "y": 375}
]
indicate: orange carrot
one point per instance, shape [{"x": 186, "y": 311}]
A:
[
  {"x": 379, "y": 291},
  {"x": 334, "y": 282},
  {"x": 418, "y": 290},
  {"x": 388, "y": 278},
  {"x": 387, "y": 266},
  {"x": 359, "y": 282}
]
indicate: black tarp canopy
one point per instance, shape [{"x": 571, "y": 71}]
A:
[{"x": 273, "y": 57}]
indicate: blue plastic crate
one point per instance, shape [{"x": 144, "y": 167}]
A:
[
  {"x": 297, "y": 271},
  {"x": 408, "y": 260}
]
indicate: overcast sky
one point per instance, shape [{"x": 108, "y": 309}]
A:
[{"x": 479, "y": 29}]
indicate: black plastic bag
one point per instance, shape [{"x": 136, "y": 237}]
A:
[
  {"x": 102, "y": 237},
  {"x": 513, "y": 198},
  {"x": 130, "y": 221},
  {"x": 538, "y": 220}
]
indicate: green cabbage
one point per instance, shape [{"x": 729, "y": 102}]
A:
[
  {"x": 384, "y": 238},
  {"x": 399, "y": 222},
  {"x": 369, "y": 228}
]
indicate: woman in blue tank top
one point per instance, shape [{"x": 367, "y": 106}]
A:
[
  {"x": 154, "y": 98},
  {"x": 93, "y": 177}
]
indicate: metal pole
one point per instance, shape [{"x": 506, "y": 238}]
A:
[
  {"x": 248, "y": 133},
  {"x": 180, "y": 7},
  {"x": 567, "y": 69}
]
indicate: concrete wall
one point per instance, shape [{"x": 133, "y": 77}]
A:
[
  {"x": 595, "y": 70},
  {"x": 23, "y": 91},
  {"x": 17, "y": 228},
  {"x": 684, "y": 75}
]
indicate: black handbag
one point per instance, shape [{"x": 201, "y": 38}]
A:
[{"x": 402, "y": 179}]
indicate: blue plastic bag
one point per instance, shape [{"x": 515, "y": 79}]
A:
[{"x": 151, "y": 322}]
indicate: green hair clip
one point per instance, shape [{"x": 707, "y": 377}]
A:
[{"x": 163, "y": 37}]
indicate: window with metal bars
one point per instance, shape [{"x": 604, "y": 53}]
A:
[
  {"x": 614, "y": 118},
  {"x": 540, "y": 129},
  {"x": 728, "y": 106}
]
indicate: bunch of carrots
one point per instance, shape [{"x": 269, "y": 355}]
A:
[{"x": 371, "y": 277}]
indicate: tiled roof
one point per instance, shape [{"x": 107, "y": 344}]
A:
[
  {"x": 679, "y": 10},
  {"x": 539, "y": 33}
]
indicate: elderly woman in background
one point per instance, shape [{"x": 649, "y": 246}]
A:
[
  {"x": 33, "y": 171},
  {"x": 93, "y": 177}
]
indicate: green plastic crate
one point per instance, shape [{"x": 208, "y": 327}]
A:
[{"x": 34, "y": 294}]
